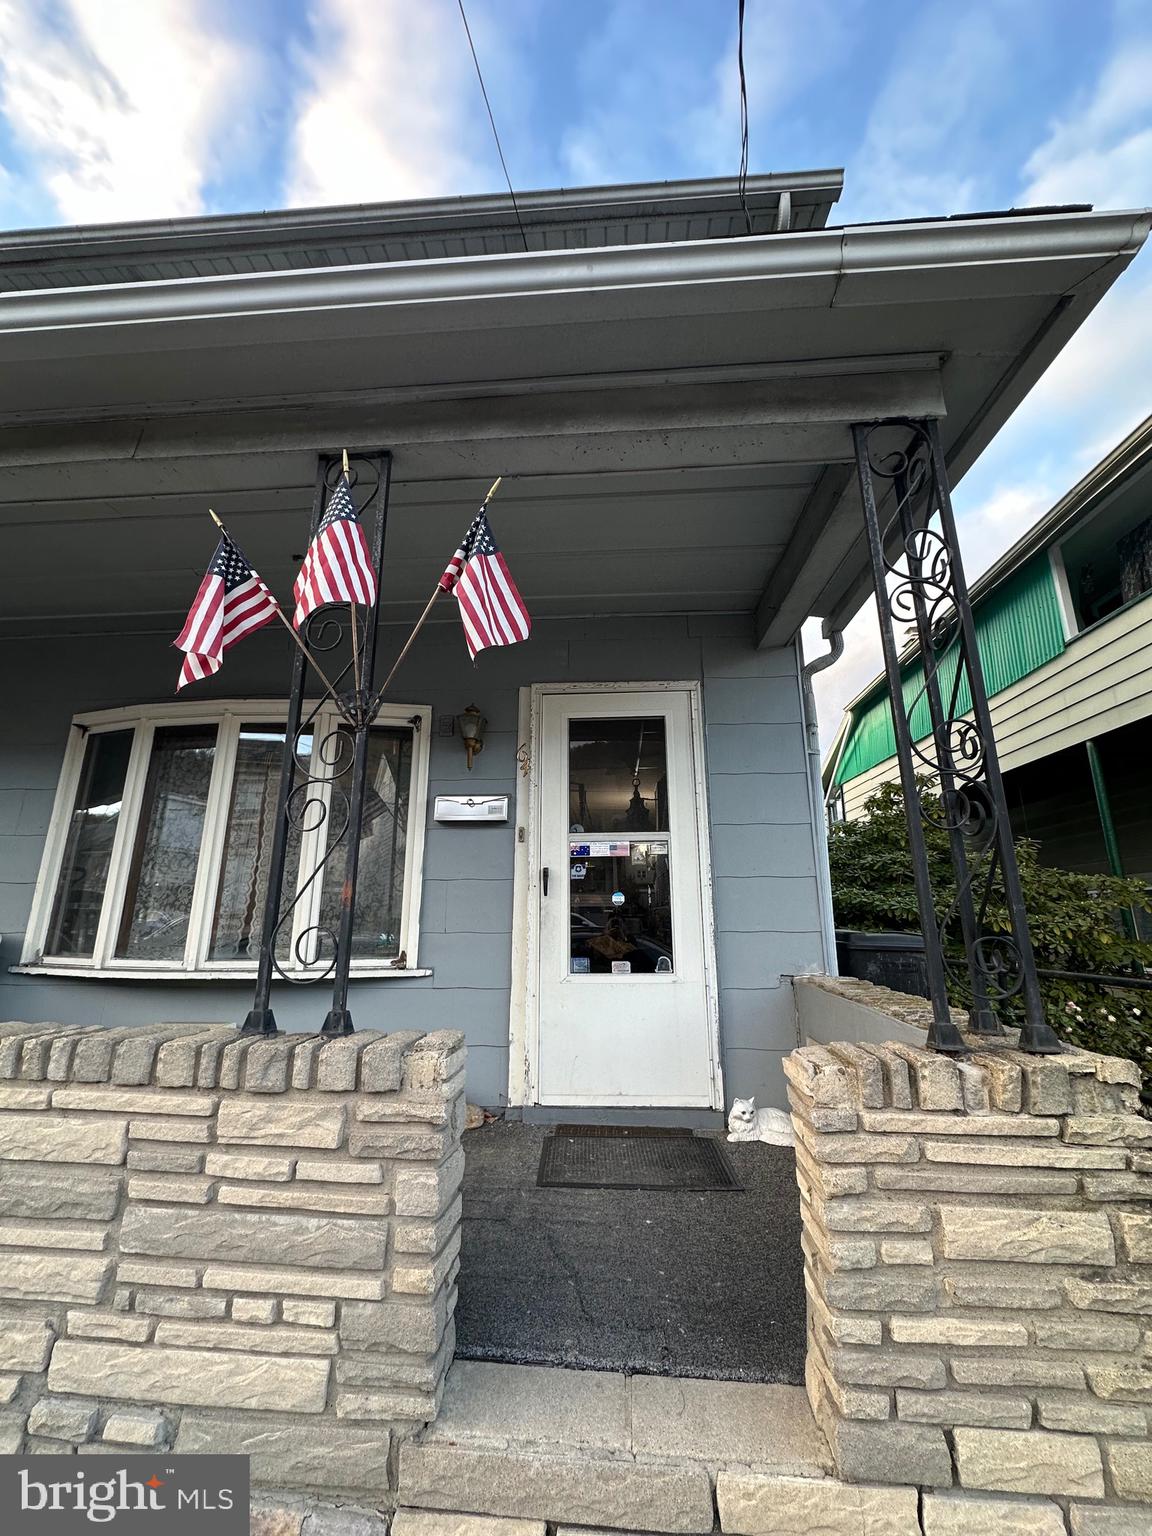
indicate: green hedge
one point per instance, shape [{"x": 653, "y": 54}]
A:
[{"x": 1074, "y": 920}]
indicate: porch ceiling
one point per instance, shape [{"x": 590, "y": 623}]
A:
[{"x": 673, "y": 419}]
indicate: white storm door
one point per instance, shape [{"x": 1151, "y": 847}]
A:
[{"x": 624, "y": 1012}]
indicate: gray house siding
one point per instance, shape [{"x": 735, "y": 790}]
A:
[{"x": 763, "y": 861}]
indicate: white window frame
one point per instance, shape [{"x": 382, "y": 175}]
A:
[{"x": 228, "y": 716}]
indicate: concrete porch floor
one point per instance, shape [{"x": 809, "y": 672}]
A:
[
  {"x": 602, "y": 1448},
  {"x": 664, "y": 1284}
]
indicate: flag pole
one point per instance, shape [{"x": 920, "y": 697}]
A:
[
  {"x": 352, "y": 609},
  {"x": 436, "y": 591},
  {"x": 280, "y": 614}
]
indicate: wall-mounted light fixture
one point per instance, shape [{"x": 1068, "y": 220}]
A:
[{"x": 472, "y": 725}]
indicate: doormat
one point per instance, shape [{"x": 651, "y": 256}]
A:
[
  {"x": 620, "y": 1130},
  {"x": 622, "y": 1157}
]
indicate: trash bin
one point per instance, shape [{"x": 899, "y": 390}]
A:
[{"x": 893, "y": 960}]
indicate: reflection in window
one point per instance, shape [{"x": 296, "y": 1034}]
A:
[
  {"x": 237, "y": 924},
  {"x": 88, "y": 849},
  {"x": 620, "y": 909},
  {"x": 617, "y": 775},
  {"x": 620, "y": 915},
  {"x": 163, "y": 873},
  {"x": 172, "y": 870},
  {"x": 383, "y": 846}
]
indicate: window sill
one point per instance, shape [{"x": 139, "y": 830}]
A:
[{"x": 239, "y": 978}]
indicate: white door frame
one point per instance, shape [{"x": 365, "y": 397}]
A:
[{"x": 524, "y": 1012}]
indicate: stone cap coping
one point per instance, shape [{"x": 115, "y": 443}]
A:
[
  {"x": 852, "y": 1075},
  {"x": 187, "y": 1055},
  {"x": 904, "y": 1006}
]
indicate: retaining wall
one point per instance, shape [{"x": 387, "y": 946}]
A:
[
  {"x": 225, "y": 1244},
  {"x": 978, "y": 1258}
]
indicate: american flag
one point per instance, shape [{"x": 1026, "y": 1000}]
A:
[
  {"x": 338, "y": 566},
  {"x": 492, "y": 609},
  {"x": 232, "y": 602}
]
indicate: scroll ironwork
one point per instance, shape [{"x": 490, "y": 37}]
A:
[
  {"x": 323, "y": 777},
  {"x": 943, "y": 730}
]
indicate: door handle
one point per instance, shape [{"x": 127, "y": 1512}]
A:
[{"x": 544, "y": 879}]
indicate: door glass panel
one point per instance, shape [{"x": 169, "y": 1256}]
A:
[
  {"x": 159, "y": 898},
  {"x": 88, "y": 848},
  {"x": 620, "y": 907},
  {"x": 383, "y": 846},
  {"x": 236, "y": 926},
  {"x": 617, "y": 776}
]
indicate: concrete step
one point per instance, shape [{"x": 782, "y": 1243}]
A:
[{"x": 597, "y": 1448}]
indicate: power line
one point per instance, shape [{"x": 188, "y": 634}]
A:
[
  {"x": 492, "y": 120},
  {"x": 742, "y": 183}
]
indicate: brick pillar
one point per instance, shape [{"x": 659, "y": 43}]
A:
[{"x": 978, "y": 1261}]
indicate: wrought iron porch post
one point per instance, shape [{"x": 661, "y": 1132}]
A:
[
  {"x": 261, "y": 1020},
  {"x": 931, "y": 589},
  {"x": 933, "y": 640},
  {"x": 339, "y": 1019},
  {"x": 944, "y": 1034},
  {"x": 309, "y": 769}
]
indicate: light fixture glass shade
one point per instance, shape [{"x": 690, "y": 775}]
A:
[{"x": 471, "y": 725}]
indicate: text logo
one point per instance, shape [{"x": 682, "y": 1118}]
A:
[{"x": 63, "y": 1495}]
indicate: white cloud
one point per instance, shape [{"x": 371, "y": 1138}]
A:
[
  {"x": 120, "y": 104},
  {"x": 647, "y": 107},
  {"x": 391, "y": 108},
  {"x": 1094, "y": 393},
  {"x": 859, "y": 664},
  {"x": 1102, "y": 151},
  {"x": 919, "y": 145}
]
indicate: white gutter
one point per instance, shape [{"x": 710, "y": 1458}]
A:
[{"x": 1003, "y": 243}]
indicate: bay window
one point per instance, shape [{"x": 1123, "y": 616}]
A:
[{"x": 157, "y": 859}]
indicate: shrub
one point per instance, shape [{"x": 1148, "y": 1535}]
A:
[{"x": 1074, "y": 919}]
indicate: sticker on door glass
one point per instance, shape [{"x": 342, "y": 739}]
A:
[
  {"x": 581, "y": 965},
  {"x": 579, "y": 871},
  {"x": 619, "y": 850},
  {"x": 617, "y": 898},
  {"x": 621, "y": 967},
  {"x": 578, "y": 850}
]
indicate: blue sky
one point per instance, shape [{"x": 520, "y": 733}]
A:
[{"x": 122, "y": 109}]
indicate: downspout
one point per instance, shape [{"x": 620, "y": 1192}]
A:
[{"x": 835, "y": 638}]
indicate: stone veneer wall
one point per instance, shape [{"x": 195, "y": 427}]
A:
[
  {"x": 226, "y": 1244},
  {"x": 978, "y": 1259}
]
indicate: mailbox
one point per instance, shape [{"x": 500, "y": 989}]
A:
[{"x": 471, "y": 808}]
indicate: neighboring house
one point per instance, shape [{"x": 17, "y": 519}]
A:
[
  {"x": 1064, "y": 626},
  {"x": 670, "y": 400}
]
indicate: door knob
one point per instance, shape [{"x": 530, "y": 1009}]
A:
[{"x": 544, "y": 879}]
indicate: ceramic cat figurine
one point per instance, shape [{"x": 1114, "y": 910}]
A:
[{"x": 747, "y": 1123}]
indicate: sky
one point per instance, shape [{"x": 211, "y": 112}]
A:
[{"x": 134, "y": 109}]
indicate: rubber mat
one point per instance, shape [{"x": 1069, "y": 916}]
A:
[{"x": 634, "y": 1161}]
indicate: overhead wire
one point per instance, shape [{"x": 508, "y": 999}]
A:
[
  {"x": 742, "y": 182},
  {"x": 492, "y": 120}
]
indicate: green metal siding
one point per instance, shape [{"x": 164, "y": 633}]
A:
[{"x": 1018, "y": 629}]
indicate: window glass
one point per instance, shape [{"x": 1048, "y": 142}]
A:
[
  {"x": 238, "y": 919},
  {"x": 620, "y": 906},
  {"x": 617, "y": 776},
  {"x": 88, "y": 848},
  {"x": 158, "y": 902},
  {"x": 383, "y": 845}
]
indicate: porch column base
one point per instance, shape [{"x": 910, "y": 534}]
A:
[
  {"x": 918, "y": 1179},
  {"x": 260, "y": 1021}
]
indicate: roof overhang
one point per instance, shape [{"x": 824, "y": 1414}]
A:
[{"x": 729, "y": 370}]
